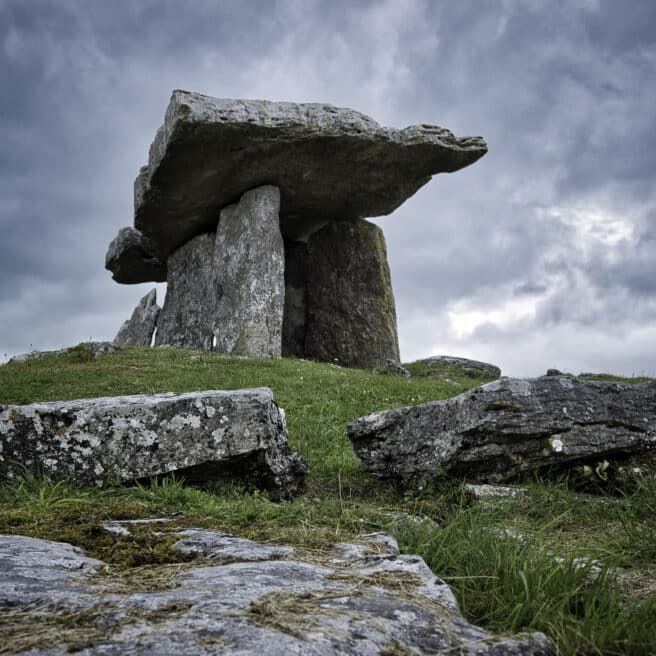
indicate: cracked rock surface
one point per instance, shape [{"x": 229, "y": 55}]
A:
[
  {"x": 497, "y": 431},
  {"x": 330, "y": 163},
  {"x": 239, "y": 435},
  {"x": 367, "y": 600}
]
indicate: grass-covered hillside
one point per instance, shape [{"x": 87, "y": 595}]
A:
[{"x": 579, "y": 566}]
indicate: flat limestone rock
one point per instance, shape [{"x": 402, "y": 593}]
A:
[
  {"x": 369, "y": 600},
  {"x": 351, "y": 316},
  {"x": 205, "y": 436},
  {"x": 439, "y": 365},
  {"x": 329, "y": 163},
  {"x": 186, "y": 318},
  {"x": 507, "y": 427},
  {"x": 139, "y": 328},
  {"x": 249, "y": 276},
  {"x": 131, "y": 260}
]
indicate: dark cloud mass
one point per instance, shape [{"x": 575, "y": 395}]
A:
[{"x": 541, "y": 254}]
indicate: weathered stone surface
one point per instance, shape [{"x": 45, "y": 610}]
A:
[
  {"x": 329, "y": 163},
  {"x": 363, "y": 604},
  {"x": 439, "y": 366},
  {"x": 130, "y": 258},
  {"x": 186, "y": 318},
  {"x": 351, "y": 318},
  {"x": 396, "y": 368},
  {"x": 213, "y": 435},
  {"x": 249, "y": 269},
  {"x": 139, "y": 328},
  {"x": 504, "y": 428},
  {"x": 293, "y": 323}
]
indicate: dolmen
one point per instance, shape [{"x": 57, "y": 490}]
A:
[
  {"x": 505, "y": 429},
  {"x": 254, "y": 214}
]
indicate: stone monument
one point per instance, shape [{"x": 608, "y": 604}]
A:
[{"x": 254, "y": 213}]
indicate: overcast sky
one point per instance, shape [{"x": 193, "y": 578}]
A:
[{"x": 542, "y": 254}]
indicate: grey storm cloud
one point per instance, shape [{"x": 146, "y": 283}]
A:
[{"x": 541, "y": 254}]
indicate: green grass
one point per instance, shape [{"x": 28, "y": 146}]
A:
[{"x": 502, "y": 583}]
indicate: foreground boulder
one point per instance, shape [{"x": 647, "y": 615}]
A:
[
  {"x": 505, "y": 428},
  {"x": 330, "y": 164},
  {"x": 205, "y": 436},
  {"x": 367, "y": 599},
  {"x": 139, "y": 328}
]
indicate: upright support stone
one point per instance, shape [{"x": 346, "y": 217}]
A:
[
  {"x": 139, "y": 328},
  {"x": 186, "y": 318},
  {"x": 293, "y": 324},
  {"x": 351, "y": 318},
  {"x": 249, "y": 265}
]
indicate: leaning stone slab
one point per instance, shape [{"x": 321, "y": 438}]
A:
[
  {"x": 351, "y": 316},
  {"x": 249, "y": 276},
  {"x": 139, "y": 328},
  {"x": 186, "y": 318},
  {"x": 205, "y": 436},
  {"x": 380, "y": 603},
  {"x": 131, "y": 260},
  {"x": 507, "y": 427},
  {"x": 330, "y": 163}
]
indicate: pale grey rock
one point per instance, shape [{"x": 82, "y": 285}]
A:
[
  {"x": 139, "y": 328},
  {"x": 122, "y": 527},
  {"x": 483, "y": 491},
  {"x": 351, "y": 316},
  {"x": 205, "y": 436},
  {"x": 131, "y": 260},
  {"x": 226, "y": 547},
  {"x": 507, "y": 427},
  {"x": 277, "y": 607},
  {"x": 445, "y": 363},
  {"x": 249, "y": 269},
  {"x": 329, "y": 163},
  {"x": 186, "y": 318}
]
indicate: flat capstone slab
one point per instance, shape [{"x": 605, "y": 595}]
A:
[
  {"x": 212, "y": 435},
  {"x": 330, "y": 163}
]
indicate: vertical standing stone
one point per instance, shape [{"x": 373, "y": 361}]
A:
[
  {"x": 293, "y": 324},
  {"x": 186, "y": 318},
  {"x": 139, "y": 328},
  {"x": 249, "y": 265},
  {"x": 351, "y": 317}
]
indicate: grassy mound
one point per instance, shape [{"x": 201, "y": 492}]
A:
[{"x": 581, "y": 568}]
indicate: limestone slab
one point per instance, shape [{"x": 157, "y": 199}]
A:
[
  {"x": 510, "y": 426},
  {"x": 139, "y": 328},
  {"x": 351, "y": 316},
  {"x": 186, "y": 318},
  {"x": 328, "y": 162},
  {"x": 249, "y": 276},
  {"x": 213, "y": 435}
]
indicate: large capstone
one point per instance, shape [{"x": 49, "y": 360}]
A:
[
  {"x": 186, "y": 318},
  {"x": 351, "y": 318},
  {"x": 330, "y": 164},
  {"x": 505, "y": 428},
  {"x": 204, "y": 436},
  {"x": 139, "y": 328},
  {"x": 130, "y": 257},
  {"x": 245, "y": 598},
  {"x": 249, "y": 265}
]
